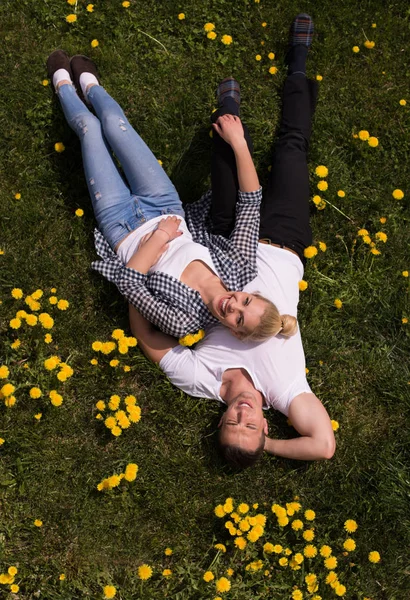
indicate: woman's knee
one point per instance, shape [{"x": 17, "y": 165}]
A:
[{"x": 85, "y": 123}]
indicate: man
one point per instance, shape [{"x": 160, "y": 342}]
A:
[{"x": 251, "y": 377}]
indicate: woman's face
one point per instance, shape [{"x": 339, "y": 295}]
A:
[{"x": 241, "y": 312}]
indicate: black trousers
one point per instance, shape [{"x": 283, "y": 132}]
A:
[{"x": 285, "y": 205}]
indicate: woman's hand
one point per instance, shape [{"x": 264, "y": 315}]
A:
[
  {"x": 170, "y": 226},
  {"x": 229, "y": 127}
]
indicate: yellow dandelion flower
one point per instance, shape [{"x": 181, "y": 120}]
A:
[
  {"x": 321, "y": 171},
  {"x": 319, "y": 77},
  {"x": 2, "y": 440},
  {"x": 35, "y": 392},
  {"x": 338, "y": 303},
  {"x": 7, "y": 389},
  {"x": 15, "y": 323},
  {"x": 310, "y": 515},
  {"x": 220, "y": 547},
  {"x": 258, "y": 57},
  {"x": 273, "y": 70},
  {"x": 341, "y": 193},
  {"x": 297, "y": 524},
  {"x": 310, "y": 551},
  {"x": 335, "y": 425},
  {"x": 240, "y": 542},
  {"x": 126, "y": 4},
  {"x": 283, "y": 521},
  {"x": 374, "y": 556},
  {"x": 38, "y": 523},
  {"x": 297, "y": 595},
  {"x": 325, "y": 551},
  {"x": 219, "y": 511},
  {"x": 45, "y": 82},
  {"x": 31, "y": 320},
  {"x": 16, "y": 344},
  {"x": 100, "y": 405},
  {"x": 12, "y": 571},
  {"x": 317, "y": 199},
  {"x": 131, "y": 471},
  {"x": 303, "y": 285},
  {"x": 38, "y": 416},
  {"x": 330, "y": 562},
  {"x": 4, "y": 372},
  {"x": 405, "y": 273},
  {"x": 90, "y": 8},
  {"x": 283, "y": 561},
  {"x": 211, "y": 35},
  {"x": 209, "y": 27},
  {"x": 10, "y": 401},
  {"x": 369, "y": 44},
  {"x": 398, "y": 194},
  {"x": 322, "y": 185},
  {"x": 17, "y": 293},
  {"x": 381, "y": 236},
  {"x": 109, "y": 591},
  {"x": 373, "y": 141},
  {"x": 144, "y": 572},
  {"x": 223, "y": 585},
  {"x": 402, "y": 102},
  {"x": 310, "y": 252},
  {"x": 166, "y": 573},
  {"x": 404, "y": 320},
  {"x": 349, "y": 545},
  {"x": 356, "y": 49},
  {"x": 350, "y": 526},
  {"x": 63, "y": 304},
  {"x": 55, "y": 398},
  {"x": 168, "y": 551},
  {"x": 62, "y": 577},
  {"x": 208, "y": 576},
  {"x": 226, "y": 39},
  {"x": 181, "y": 16},
  {"x": 364, "y": 135},
  {"x": 59, "y": 146},
  {"x": 308, "y": 535},
  {"x": 340, "y": 590},
  {"x": 322, "y": 246},
  {"x": 271, "y": 55},
  {"x": 14, "y": 588},
  {"x": 264, "y": 24},
  {"x": 94, "y": 44}
]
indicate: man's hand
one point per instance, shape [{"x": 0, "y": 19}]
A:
[{"x": 229, "y": 127}]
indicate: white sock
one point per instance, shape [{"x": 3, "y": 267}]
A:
[
  {"x": 60, "y": 75},
  {"x": 85, "y": 80}
]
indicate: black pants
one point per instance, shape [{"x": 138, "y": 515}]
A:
[{"x": 285, "y": 206}]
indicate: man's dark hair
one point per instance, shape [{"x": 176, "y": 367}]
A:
[{"x": 238, "y": 458}]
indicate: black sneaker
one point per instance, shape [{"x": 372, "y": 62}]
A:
[
  {"x": 301, "y": 31},
  {"x": 58, "y": 60},
  {"x": 82, "y": 64}
]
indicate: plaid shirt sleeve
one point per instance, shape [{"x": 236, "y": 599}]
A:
[
  {"x": 245, "y": 235},
  {"x": 161, "y": 299}
]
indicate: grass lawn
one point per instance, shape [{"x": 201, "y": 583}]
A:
[{"x": 164, "y": 70}]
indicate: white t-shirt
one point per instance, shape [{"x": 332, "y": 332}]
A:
[
  {"x": 180, "y": 252},
  {"x": 276, "y": 366}
]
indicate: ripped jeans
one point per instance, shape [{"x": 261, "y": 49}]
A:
[{"x": 119, "y": 208}]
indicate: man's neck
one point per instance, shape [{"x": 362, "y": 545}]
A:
[{"x": 235, "y": 382}]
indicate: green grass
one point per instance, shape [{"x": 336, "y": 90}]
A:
[{"x": 164, "y": 72}]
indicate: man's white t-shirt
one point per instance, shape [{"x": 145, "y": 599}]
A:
[{"x": 276, "y": 366}]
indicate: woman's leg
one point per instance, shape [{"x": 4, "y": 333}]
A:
[
  {"x": 285, "y": 208},
  {"x": 148, "y": 181},
  {"x": 110, "y": 197},
  {"x": 224, "y": 177}
]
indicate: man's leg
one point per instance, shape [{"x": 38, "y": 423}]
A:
[
  {"x": 224, "y": 177},
  {"x": 285, "y": 208}
]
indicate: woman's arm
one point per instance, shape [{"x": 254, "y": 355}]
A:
[
  {"x": 153, "y": 246},
  {"x": 230, "y": 128}
]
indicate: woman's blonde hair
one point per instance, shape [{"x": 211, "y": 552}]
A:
[{"x": 271, "y": 324}]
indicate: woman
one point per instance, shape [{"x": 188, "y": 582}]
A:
[{"x": 177, "y": 284}]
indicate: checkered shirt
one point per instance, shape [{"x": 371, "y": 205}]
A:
[{"x": 167, "y": 302}]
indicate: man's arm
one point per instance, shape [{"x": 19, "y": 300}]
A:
[
  {"x": 153, "y": 343},
  {"x": 309, "y": 417}
]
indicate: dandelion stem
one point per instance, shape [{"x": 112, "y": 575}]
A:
[
  {"x": 325, "y": 277},
  {"x": 340, "y": 211},
  {"x": 152, "y": 38}
]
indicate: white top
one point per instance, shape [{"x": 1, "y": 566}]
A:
[
  {"x": 276, "y": 366},
  {"x": 181, "y": 251}
]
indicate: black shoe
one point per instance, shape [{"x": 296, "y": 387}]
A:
[
  {"x": 82, "y": 64},
  {"x": 228, "y": 88},
  {"x": 301, "y": 31},
  {"x": 58, "y": 60}
]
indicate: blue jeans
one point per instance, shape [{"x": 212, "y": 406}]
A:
[{"x": 119, "y": 208}]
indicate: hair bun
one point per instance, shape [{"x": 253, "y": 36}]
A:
[{"x": 289, "y": 325}]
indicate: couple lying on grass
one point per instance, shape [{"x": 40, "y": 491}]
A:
[{"x": 177, "y": 268}]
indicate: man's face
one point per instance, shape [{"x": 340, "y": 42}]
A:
[
  {"x": 243, "y": 423},
  {"x": 239, "y": 311}
]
